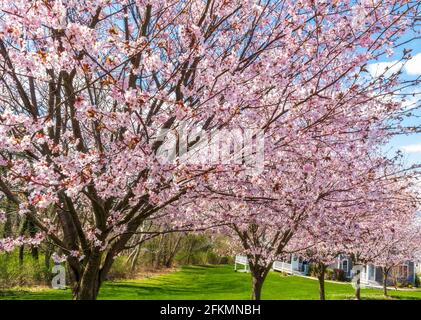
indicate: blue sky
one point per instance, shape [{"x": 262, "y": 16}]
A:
[{"x": 410, "y": 145}]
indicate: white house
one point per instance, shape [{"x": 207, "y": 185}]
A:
[{"x": 371, "y": 275}]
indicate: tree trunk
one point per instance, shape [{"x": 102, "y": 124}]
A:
[
  {"x": 190, "y": 251},
  {"x": 32, "y": 229},
  {"x": 21, "y": 255},
  {"x": 257, "y": 288},
  {"x": 88, "y": 289},
  {"x": 358, "y": 293},
  {"x": 134, "y": 257},
  {"x": 34, "y": 254},
  {"x": 158, "y": 252},
  {"x": 358, "y": 287},
  {"x": 321, "y": 277},
  {"x": 385, "y": 275},
  {"x": 88, "y": 286},
  {"x": 173, "y": 252},
  {"x": 47, "y": 257},
  {"x": 7, "y": 230},
  {"x": 259, "y": 274}
]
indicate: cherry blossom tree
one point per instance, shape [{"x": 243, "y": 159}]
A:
[
  {"x": 396, "y": 244},
  {"x": 382, "y": 233},
  {"x": 91, "y": 91},
  {"x": 319, "y": 141},
  {"x": 320, "y": 256},
  {"x": 323, "y": 250},
  {"x": 385, "y": 225},
  {"x": 319, "y": 214},
  {"x": 400, "y": 246}
]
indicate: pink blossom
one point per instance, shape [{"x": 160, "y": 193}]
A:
[
  {"x": 308, "y": 168},
  {"x": 58, "y": 258}
]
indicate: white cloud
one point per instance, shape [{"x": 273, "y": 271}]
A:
[
  {"x": 411, "y": 102},
  {"x": 412, "y": 148},
  {"x": 413, "y": 66},
  {"x": 384, "y": 68}
]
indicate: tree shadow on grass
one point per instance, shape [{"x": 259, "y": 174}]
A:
[{"x": 191, "y": 281}]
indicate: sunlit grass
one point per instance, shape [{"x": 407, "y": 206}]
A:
[{"x": 211, "y": 282}]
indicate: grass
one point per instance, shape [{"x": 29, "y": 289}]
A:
[{"x": 211, "y": 282}]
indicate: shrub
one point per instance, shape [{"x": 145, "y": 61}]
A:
[
  {"x": 312, "y": 270},
  {"x": 402, "y": 284},
  {"x": 30, "y": 272},
  {"x": 120, "y": 269},
  {"x": 329, "y": 274}
]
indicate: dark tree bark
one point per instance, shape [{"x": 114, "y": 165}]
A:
[
  {"x": 88, "y": 286},
  {"x": 47, "y": 256},
  {"x": 32, "y": 229},
  {"x": 321, "y": 277},
  {"x": 21, "y": 255},
  {"x": 257, "y": 288},
  {"x": 259, "y": 274}
]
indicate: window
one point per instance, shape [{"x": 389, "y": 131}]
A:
[
  {"x": 371, "y": 272},
  {"x": 345, "y": 265}
]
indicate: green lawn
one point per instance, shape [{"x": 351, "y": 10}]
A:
[{"x": 212, "y": 282}]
